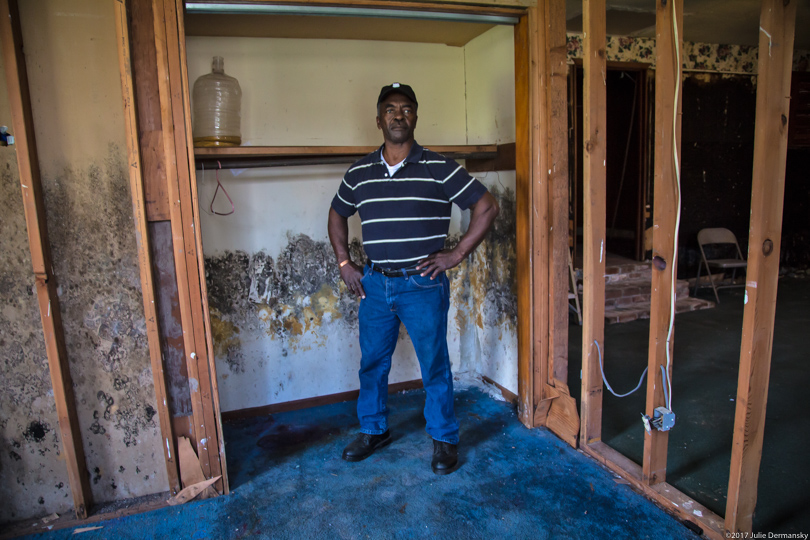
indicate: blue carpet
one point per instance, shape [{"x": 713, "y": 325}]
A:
[{"x": 288, "y": 481}]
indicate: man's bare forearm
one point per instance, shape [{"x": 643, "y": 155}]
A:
[
  {"x": 483, "y": 214},
  {"x": 338, "y": 228}
]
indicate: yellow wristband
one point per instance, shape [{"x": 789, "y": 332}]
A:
[{"x": 344, "y": 263}]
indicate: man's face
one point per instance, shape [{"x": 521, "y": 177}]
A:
[{"x": 396, "y": 117}]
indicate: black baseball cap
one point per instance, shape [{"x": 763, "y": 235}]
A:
[{"x": 397, "y": 88}]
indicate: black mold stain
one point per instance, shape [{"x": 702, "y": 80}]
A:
[
  {"x": 241, "y": 284},
  {"x": 95, "y": 257},
  {"x": 27, "y": 407},
  {"x": 501, "y": 298},
  {"x": 107, "y": 402},
  {"x": 96, "y": 475},
  {"x": 96, "y": 427},
  {"x": 150, "y": 413},
  {"x": 36, "y": 431},
  {"x": 228, "y": 282}
]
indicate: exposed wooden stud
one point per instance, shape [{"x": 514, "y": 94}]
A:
[
  {"x": 30, "y": 182},
  {"x": 150, "y": 133},
  {"x": 555, "y": 407},
  {"x": 207, "y": 444},
  {"x": 557, "y": 151},
  {"x": 178, "y": 233},
  {"x": 142, "y": 240},
  {"x": 202, "y": 321},
  {"x": 594, "y": 179},
  {"x": 666, "y": 202},
  {"x": 777, "y": 27},
  {"x": 538, "y": 108},
  {"x": 185, "y": 247},
  {"x": 523, "y": 223}
]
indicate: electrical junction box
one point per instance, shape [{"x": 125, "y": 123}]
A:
[{"x": 663, "y": 419}]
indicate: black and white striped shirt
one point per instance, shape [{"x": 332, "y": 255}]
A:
[{"x": 405, "y": 217}]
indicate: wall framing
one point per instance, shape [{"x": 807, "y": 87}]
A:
[{"x": 770, "y": 149}]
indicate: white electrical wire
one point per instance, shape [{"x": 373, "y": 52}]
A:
[
  {"x": 602, "y": 368},
  {"x": 667, "y": 378}
]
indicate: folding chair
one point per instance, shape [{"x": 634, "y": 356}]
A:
[
  {"x": 573, "y": 291},
  {"x": 720, "y": 241}
]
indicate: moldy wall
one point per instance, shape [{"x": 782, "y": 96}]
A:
[
  {"x": 284, "y": 326},
  {"x": 76, "y": 96}
]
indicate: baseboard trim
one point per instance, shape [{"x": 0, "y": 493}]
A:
[
  {"x": 298, "y": 404},
  {"x": 507, "y": 395}
]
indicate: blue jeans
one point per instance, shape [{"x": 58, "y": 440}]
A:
[{"x": 421, "y": 304}]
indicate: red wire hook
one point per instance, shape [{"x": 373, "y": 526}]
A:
[{"x": 219, "y": 185}]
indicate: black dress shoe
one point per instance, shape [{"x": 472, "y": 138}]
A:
[
  {"x": 445, "y": 457},
  {"x": 364, "y": 445}
]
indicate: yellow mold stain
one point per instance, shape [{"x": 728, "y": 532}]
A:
[
  {"x": 225, "y": 335},
  {"x": 303, "y": 316}
]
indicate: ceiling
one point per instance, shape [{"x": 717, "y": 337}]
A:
[
  {"x": 707, "y": 21},
  {"x": 729, "y": 22}
]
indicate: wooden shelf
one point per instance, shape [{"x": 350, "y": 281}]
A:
[{"x": 240, "y": 157}]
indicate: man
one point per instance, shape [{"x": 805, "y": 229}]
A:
[{"x": 404, "y": 194}]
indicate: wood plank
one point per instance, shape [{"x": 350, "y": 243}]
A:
[
  {"x": 245, "y": 151},
  {"x": 46, "y": 285},
  {"x": 523, "y": 224},
  {"x": 142, "y": 36},
  {"x": 201, "y": 259},
  {"x": 672, "y": 500},
  {"x": 503, "y": 161},
  {"x": 178, "y": 229},
  {"x": 199, "y": 372},
  {"x": 562, "y": 419},
  {"x": 594, "y": 179},
  {"x": 142, "y": 240},
  {"x": 508, "y": 8},
  {"x": 557, "y": 151},
  {"x": 777, "y": 24},
  {"x": 181, "y": 106},
  {"x": 666, "y": 209},
  {"x": 538, "y": 107}
]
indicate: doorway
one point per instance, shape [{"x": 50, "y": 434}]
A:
[{"x": 628, "y": 174}]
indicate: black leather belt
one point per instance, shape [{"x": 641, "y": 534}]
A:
[{"x": 402, "y": 272}]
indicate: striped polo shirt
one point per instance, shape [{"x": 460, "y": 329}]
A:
[{"x": 405, "y": 217}]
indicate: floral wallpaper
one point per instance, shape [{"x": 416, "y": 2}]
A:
[{"x": 699, "y": 56}]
